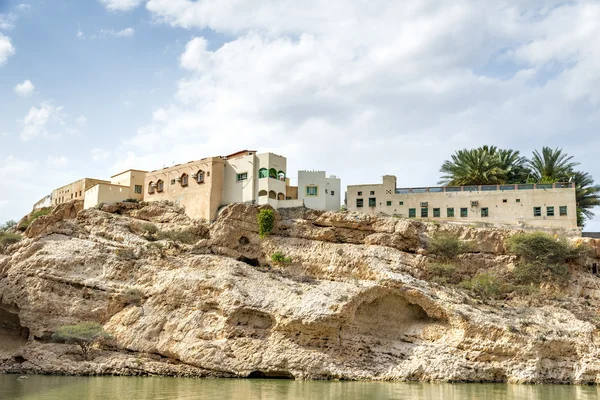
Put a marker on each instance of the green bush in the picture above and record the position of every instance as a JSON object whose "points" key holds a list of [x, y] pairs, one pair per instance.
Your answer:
{"points": [[536, 272], [7, 225], [85, 334], [279, 258], [540, 247], [266, 219], [6, 239], [447, 246], [484, 285], [33, 216], [149, 228], [187, 236], [541, 257]]}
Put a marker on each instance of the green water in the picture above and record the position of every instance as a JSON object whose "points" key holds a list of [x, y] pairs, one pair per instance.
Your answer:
{"points": [[129, 388]]}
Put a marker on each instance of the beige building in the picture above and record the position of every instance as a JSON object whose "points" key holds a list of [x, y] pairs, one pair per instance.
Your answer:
{"points": [[126, 185], [44, 202], [529, 205], [319, 191], [197, 185], [73, 191]]}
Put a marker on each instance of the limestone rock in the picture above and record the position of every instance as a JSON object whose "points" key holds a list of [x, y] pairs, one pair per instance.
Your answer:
{"points": [[347, 304]]}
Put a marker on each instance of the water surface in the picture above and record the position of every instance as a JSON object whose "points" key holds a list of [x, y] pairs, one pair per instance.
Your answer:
{"points": [[129, 388]]}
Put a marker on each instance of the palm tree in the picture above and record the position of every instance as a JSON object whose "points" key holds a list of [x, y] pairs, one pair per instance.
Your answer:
{"points": [[486, 165], [514, 166], [551, 165], [587, 196]]}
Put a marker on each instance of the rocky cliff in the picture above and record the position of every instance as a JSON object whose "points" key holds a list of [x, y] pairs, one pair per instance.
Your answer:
{"points": [[198, 299]]}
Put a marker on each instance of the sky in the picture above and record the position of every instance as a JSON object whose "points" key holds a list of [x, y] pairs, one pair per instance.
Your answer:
{"points": [[359, 88]]}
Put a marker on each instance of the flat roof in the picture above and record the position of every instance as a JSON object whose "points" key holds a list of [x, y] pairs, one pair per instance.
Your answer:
{"points": [[239, 152], [136, 170]]}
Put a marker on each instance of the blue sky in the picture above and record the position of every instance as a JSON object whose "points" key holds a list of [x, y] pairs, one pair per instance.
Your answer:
{"points": [[360, 89]]}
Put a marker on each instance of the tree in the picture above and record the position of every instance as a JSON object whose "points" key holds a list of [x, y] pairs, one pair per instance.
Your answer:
{"points": [[486, 165], [7, 225], [587, 196], [551, 165], [85, 334]]}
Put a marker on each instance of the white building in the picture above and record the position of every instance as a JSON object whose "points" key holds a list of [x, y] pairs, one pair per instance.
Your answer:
{"points": [[318, 191]]}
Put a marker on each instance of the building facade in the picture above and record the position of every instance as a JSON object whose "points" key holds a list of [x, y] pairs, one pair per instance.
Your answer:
{"points": [[534, 205], [123, 186], [44, 202], [196, 185], [73, 191], [318, 191]]}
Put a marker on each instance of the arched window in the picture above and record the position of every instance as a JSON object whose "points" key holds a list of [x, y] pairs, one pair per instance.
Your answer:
{"points": [[281, 196], [184, 180], [281, 176], [151, 186], [200, 177], [272, 194], [273, 173], [263, 173], [160, 185], [262, 193]]}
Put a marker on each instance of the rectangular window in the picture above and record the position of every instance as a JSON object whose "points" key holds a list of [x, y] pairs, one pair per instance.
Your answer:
{"points": [[424, 212], [172, 181], [242, 177], [518, 200], [359, 203], [450, 212], [485, 212], [537, 211], [401, 203], [412, 212], [388, 203], [562, 210], [333, 192], [372, 201], [464, 212], [436, 213], [312, 190], [80, 192], [138, 189], [550, 211], [372, 193], [359, 194], [504, 200]]}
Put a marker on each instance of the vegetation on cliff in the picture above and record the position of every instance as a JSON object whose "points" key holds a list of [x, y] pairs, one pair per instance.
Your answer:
{"points": [[85, 335]]}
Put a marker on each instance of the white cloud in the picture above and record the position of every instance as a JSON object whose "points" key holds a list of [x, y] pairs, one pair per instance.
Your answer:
{"points": [[24, 7], [366, 88], [57, 162], [80, 35], [24, 89], [99, 154], [121, 5], [6, 49], [15, 168], [81, 121], [127, 32], [7, 21], [38, 121]]}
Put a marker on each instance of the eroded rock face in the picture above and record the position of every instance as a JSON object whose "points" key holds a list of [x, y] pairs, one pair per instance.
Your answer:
{"points": [[350, 305]]}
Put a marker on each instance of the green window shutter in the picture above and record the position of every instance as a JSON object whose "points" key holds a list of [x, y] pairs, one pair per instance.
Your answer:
{"points": [[450, 212], [424, 212], [412, 212], [537, 211], [464, 212], [484, 212], [436, 213], [550, 211], [372, 202], [563, 210], [388, 203]]}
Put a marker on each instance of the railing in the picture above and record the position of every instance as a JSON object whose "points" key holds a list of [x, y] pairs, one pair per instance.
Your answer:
{"points": [[486, 188]]}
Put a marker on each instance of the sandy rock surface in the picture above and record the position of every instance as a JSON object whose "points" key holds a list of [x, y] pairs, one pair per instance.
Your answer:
{"points": [[351, 305]]}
